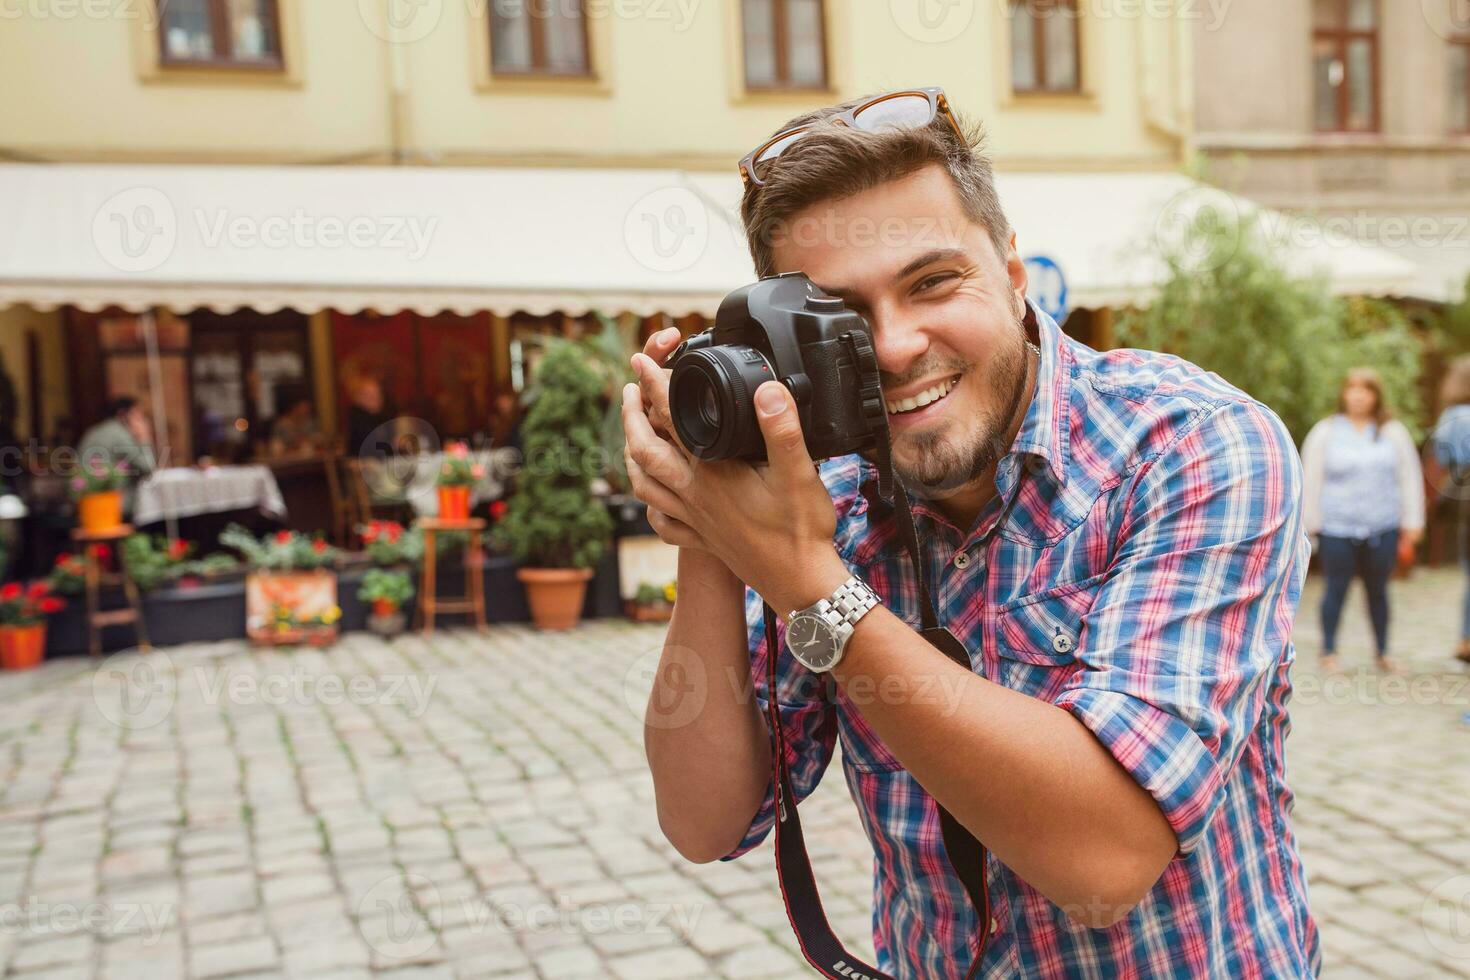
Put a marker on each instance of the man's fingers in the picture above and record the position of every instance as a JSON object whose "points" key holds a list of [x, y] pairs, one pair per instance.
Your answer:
{"points": [[652, 492], [673, 531], [654, 455], [653, 383], [780, 424], [661, 344]]}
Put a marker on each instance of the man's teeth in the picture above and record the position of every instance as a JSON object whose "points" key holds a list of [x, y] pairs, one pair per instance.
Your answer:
{"points": [[923, 398]]}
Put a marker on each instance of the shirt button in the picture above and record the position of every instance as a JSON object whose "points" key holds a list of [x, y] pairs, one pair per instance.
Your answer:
{"points": [[962, 560], [1061, 643], [994, 925]]}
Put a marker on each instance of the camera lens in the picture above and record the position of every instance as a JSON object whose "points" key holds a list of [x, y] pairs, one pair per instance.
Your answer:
{"points": [[711, 397]]}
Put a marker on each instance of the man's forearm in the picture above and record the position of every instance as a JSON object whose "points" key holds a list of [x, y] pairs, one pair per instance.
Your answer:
{"points": [[1025, 777], [707, 745]]}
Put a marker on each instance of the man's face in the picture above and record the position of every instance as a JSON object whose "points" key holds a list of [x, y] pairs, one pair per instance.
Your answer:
{"points": [[946, 314]]}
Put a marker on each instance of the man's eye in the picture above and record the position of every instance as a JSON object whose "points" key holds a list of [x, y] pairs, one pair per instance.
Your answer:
{"points": [[930, 282]]}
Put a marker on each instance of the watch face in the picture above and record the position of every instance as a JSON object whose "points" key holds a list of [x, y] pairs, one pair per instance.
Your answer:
{"points": [[812, 641]]}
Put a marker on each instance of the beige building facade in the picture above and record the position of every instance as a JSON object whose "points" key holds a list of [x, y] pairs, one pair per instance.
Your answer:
{"points": [[1354, 112]]}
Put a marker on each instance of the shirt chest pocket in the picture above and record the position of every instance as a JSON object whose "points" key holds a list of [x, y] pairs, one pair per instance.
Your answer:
{"points": [[1037, 639]]}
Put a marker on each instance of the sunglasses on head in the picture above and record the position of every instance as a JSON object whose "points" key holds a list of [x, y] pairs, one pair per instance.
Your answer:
{"points": [[912, 108]]}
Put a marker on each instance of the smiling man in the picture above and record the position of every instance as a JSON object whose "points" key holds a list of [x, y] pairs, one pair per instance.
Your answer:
{"points": [[1114, 537]]}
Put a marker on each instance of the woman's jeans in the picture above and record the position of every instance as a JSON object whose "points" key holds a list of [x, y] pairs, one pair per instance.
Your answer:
{"points": [[1343, 559]]}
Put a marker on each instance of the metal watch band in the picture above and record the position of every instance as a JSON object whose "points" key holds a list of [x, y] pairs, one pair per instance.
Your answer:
{"points": [[852, 599]]}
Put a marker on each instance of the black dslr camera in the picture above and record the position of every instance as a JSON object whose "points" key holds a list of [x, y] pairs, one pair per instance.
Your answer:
{"points": [[785, 329]]}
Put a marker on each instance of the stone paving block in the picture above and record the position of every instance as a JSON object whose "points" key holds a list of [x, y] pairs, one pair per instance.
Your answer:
{"points": [[240, 956]]}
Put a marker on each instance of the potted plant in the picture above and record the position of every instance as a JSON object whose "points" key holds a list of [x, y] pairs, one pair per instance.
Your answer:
{"points": [[69, 575], [23, 612], [553, 526], [97, 487], [291, 589], [457, 473], [387, 591], [652, 603], [387, 543]]}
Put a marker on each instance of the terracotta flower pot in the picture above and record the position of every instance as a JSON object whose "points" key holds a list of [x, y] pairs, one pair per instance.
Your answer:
{"points": [[100, 511], [555, 595], [384, 607], [454, 503], [22, 647]]}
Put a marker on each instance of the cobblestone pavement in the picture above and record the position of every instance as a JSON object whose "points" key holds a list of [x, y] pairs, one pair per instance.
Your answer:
{"points": [[477, 805]]}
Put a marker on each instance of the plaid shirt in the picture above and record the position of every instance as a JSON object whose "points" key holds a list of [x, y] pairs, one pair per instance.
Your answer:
{"points": [[1146, 582]]}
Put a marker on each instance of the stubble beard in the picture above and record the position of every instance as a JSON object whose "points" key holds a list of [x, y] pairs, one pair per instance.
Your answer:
{"points": [[936, 462]]}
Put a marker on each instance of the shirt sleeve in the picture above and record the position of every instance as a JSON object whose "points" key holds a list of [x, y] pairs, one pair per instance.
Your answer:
{"points": [[1194, 615], [1411, 480], [808, 720]]}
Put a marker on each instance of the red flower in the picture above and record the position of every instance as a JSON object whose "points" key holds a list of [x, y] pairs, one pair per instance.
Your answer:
{"points": [[370, 533], [177, 549], [104, 553], [395, 531], [37, 589], [498, 509], [51, 604], [63, 559], [283, 537], [458, 450], [10, 591], [319, 546]]}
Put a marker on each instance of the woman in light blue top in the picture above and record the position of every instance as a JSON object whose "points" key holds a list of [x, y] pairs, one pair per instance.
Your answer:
{"points": [[1364, 500], [1452, 449]]}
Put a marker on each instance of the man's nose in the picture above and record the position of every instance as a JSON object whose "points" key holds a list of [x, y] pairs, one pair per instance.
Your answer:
{"points": [[897, 345]]}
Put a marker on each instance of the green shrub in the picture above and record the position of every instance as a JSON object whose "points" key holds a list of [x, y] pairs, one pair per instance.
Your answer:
{"points": [[1232, 308], [552, 520]]}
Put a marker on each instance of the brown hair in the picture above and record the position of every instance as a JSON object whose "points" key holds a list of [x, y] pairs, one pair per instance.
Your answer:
{"points": [[832, 162], [1368, 378], [1455, 390]]}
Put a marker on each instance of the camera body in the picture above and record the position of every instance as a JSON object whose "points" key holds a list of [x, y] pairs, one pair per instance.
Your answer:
{"points": [[782, 328]]}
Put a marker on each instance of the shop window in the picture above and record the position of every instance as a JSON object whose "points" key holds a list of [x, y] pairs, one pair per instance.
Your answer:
{"points": [[220, 33], [1345, 65], [785, 44], [1045, 46], [539, 37]]}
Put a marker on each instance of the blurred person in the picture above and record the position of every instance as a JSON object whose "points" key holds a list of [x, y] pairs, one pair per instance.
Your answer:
{"points": [[1364, 500], [124, 436], [1114, 538], [505, 424], [1452, 450], [368, 413], [295, 430]]}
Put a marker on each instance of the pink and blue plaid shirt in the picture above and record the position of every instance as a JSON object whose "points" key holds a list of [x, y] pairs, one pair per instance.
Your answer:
{"points": [[1146, 582]]}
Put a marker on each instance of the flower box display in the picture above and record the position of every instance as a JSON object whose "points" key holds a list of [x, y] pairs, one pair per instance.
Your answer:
{"points": [[652, 603], [291, 590], [23, 612]]}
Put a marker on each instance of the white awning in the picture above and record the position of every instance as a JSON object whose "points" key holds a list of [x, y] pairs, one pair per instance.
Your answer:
{"points": [[511, 239]]}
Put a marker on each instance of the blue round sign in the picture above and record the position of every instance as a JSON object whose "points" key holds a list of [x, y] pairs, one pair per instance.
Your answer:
{"points": [[1047, 286]]}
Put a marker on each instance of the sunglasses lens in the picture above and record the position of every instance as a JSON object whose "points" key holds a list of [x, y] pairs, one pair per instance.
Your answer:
{"points": [[768, 156], [899, 112]]}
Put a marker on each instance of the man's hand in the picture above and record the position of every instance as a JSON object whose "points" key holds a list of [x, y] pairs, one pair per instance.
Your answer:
{"points": [[771, 525]]}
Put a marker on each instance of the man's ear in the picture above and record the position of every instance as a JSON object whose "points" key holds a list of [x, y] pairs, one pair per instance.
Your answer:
{"points": [[1016, 269]]}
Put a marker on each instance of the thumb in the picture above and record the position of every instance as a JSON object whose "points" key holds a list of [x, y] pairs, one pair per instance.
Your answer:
{"points": [[781, 426]]}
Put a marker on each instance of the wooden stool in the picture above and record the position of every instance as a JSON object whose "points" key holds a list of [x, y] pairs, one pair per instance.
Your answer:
{"points": [[474, 600], [92, 543]]}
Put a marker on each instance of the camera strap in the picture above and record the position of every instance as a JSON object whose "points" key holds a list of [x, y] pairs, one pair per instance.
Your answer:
{"points": [[814, 934]]}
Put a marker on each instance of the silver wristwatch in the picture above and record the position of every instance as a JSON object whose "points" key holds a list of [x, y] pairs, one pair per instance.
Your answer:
{"points": [[818, 634]]}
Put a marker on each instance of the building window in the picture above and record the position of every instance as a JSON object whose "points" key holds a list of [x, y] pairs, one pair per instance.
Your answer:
{"points": [[1460, 85], [1045, 48], [537, 37], [785, 44], [220, 33], [1345, 65]]}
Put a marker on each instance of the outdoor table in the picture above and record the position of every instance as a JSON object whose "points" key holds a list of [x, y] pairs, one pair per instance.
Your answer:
{"points": [[414, 479], [188, 492]]}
